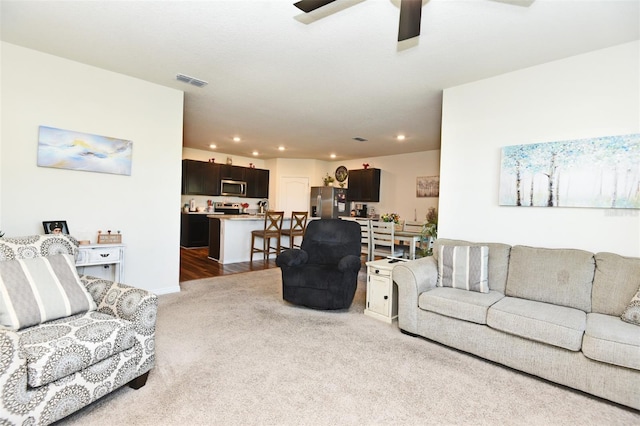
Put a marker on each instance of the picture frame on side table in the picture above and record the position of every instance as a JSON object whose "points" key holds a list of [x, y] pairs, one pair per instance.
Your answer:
{"points": [[55, 227]]}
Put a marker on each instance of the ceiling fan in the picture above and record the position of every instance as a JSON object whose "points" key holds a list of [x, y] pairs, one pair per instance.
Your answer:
{"points": [[410, 13]]}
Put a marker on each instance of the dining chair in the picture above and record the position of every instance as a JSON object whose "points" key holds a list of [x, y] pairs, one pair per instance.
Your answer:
{"points": [[365, 232], [413, 227], [297, 227], [272, 229], [383, 240]]}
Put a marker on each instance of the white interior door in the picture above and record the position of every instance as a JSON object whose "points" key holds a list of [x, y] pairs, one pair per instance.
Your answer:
{"points": [[293, 194]]}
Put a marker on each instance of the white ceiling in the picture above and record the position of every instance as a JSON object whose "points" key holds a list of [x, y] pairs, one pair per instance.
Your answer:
{"points": [[311, 83]]}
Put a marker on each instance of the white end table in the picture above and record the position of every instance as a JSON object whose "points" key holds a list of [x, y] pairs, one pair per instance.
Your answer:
{"points": [[382, 294], [110, 256]]}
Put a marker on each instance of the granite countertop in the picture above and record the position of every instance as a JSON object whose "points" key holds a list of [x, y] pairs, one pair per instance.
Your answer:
{"points": [[237, 216]]}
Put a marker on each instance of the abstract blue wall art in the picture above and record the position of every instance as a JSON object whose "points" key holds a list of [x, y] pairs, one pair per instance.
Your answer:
{"points": [[66, 149], [598, 172]]}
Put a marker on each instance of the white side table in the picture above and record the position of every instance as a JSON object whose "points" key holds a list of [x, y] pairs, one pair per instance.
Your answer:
{"points": [[105, 255], [382, 294]]}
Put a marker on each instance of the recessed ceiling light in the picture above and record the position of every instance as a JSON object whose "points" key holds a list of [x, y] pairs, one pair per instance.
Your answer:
{"points": [[236, 139], [213, 146], [255, 152], [400, 137], [281, 148], [333, 156]]}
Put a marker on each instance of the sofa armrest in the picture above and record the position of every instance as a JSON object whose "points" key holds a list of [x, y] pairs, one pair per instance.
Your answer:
{"points": [[13, 378], [413, 278], [123, 301]]}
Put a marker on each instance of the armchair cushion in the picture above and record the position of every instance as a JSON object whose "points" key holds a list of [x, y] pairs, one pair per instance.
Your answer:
{"points": [[329, 240], [40, 289], [58, 348]]}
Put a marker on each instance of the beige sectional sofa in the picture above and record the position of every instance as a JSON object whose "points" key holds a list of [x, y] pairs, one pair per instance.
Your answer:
{"points": [[552, 313]]}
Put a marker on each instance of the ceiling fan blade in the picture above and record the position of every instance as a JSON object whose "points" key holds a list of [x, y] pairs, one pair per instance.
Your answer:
{"points": [[410, 14], [311, 5]]}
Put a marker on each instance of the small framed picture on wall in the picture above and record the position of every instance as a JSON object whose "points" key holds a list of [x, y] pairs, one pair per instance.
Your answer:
{"points": [[56, 227], [428, 186]]}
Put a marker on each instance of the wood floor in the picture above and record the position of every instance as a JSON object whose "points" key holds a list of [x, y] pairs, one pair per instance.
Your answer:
{"points": [[194, 264]]}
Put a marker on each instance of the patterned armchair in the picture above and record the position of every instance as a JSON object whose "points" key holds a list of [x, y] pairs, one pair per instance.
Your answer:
{"points": [[53, 363]]}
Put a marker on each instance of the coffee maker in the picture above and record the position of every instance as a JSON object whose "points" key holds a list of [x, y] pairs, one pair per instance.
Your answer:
{"points": [[361, 210]]}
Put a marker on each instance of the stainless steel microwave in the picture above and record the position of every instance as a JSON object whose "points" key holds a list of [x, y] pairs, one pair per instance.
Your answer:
{"points": [[235, 188]]}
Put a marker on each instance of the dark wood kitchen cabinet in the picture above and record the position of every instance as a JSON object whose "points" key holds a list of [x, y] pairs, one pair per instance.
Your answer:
{"points": [[200, 178], [257, 183], [228, 171], [364, 185], [203, 178], [194, 230]]}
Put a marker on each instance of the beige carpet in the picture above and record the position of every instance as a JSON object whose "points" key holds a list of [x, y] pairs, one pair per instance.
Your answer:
{"points": [[230, 351]]}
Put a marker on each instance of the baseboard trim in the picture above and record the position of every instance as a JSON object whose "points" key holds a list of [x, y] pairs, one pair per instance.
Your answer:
{"points": [[166, 290]]}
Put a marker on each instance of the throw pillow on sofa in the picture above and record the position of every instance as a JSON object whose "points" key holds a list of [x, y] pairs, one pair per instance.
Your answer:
{"points": [[40, 289], [632, 313], [464, 267]]}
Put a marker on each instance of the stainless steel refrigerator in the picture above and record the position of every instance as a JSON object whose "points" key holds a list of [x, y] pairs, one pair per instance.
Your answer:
{"points": [[328, 202]]}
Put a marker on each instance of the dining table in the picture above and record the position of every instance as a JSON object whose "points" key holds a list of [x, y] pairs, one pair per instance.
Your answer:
{"points": [[411, 238]]}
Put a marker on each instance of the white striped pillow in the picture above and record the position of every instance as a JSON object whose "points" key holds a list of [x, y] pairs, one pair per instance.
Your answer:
{"points": [[464, 267], [33, 291]]}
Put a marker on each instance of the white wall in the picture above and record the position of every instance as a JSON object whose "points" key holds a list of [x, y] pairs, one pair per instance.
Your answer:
{"points": [[40, 89], [590, 95]]}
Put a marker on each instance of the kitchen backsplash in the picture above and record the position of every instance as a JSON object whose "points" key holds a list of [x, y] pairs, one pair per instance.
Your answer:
{"points": [[201, 201]]}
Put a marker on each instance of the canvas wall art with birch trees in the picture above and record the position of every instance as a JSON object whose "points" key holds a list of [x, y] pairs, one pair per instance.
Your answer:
{"points": [[599, 172]]}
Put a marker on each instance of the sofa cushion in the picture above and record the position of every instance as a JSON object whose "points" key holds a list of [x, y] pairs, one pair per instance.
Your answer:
{"points": [[558, 276], [59, 348], [632, 313], [498, 259], [543, 322], [461, 304], [40, 289], [464, 267], [37, 246], [607, 339], [616, 280]]}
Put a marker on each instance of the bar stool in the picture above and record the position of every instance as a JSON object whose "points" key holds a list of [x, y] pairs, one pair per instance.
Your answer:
{"points": [[297, 228], [272, 229]]}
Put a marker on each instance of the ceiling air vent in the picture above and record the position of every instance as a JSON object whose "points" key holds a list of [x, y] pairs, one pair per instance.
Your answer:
{"points": [[359, 139], [191, 80]]}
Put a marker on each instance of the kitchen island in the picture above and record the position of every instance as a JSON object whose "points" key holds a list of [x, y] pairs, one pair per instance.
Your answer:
{"points": [[230, 237]]}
